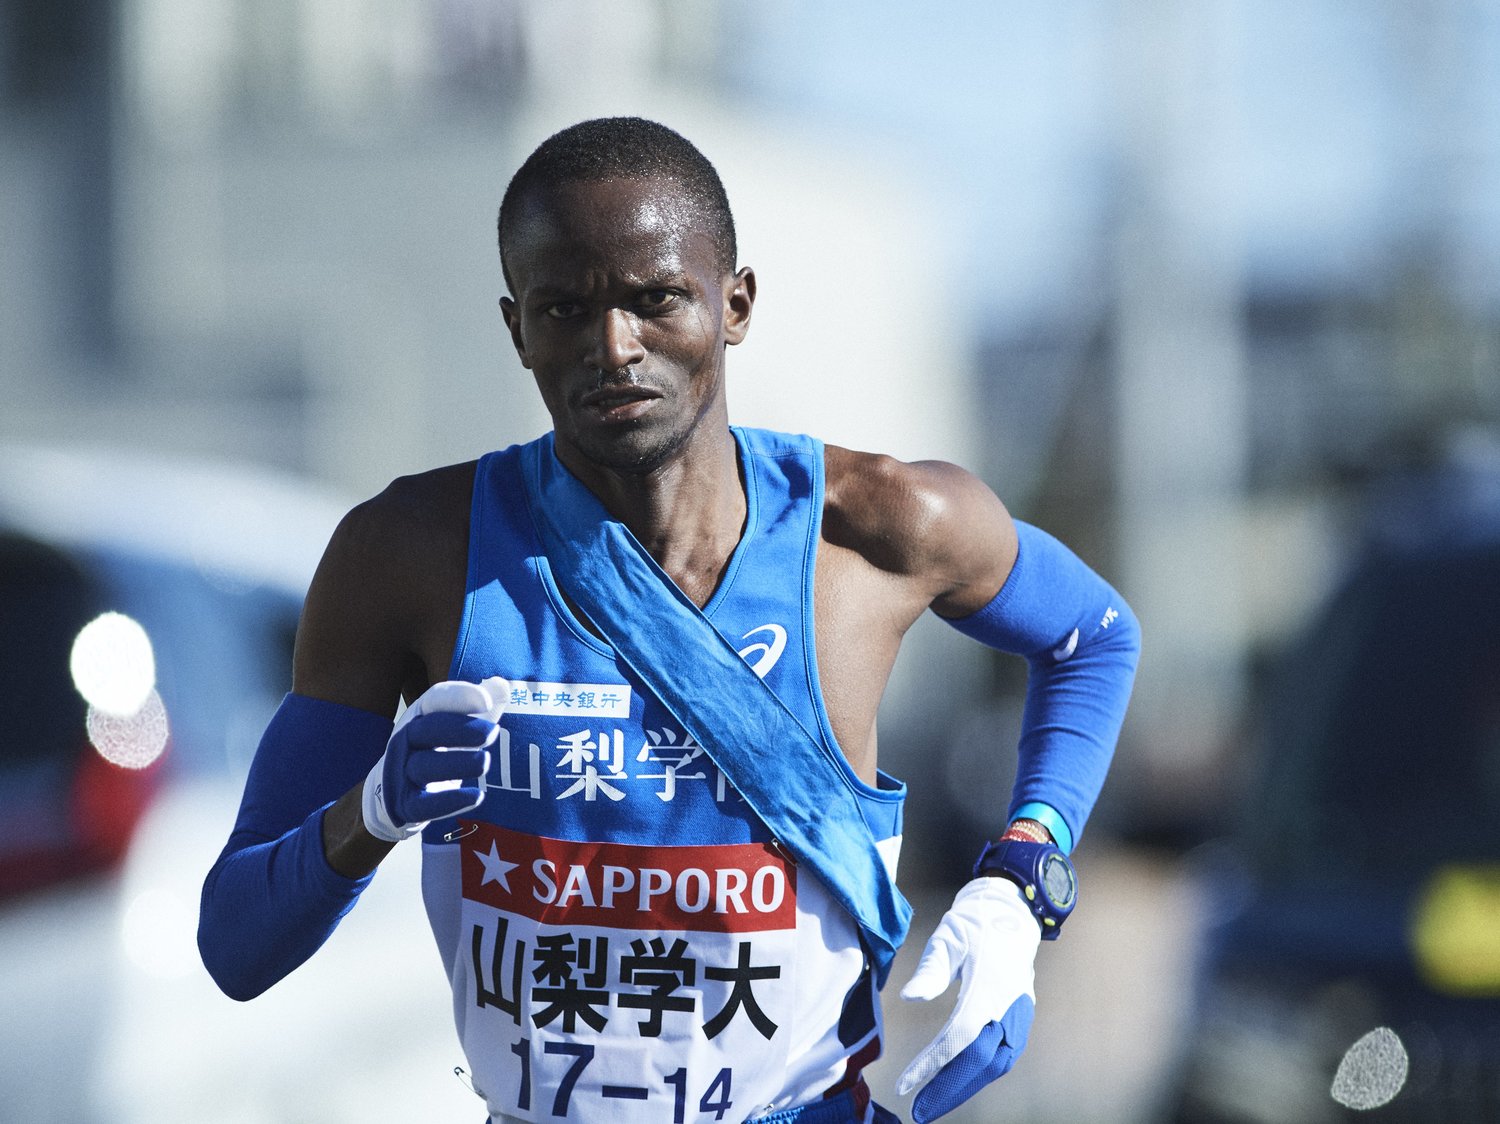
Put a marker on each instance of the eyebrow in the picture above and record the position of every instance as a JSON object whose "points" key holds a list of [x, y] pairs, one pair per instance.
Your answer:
{"points": [[548, 292], [662, 279]]}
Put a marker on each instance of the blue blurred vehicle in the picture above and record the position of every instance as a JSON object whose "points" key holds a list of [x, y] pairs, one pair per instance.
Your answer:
{"points": [[65, 812], [106, 1012], [1362, 890], [182, 550], [222, 657]]}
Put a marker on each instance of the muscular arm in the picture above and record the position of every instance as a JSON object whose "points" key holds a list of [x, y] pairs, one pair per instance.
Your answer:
{"points": [[929, 535], [383, 603], [380, 621], [898, 539], [938, 530], [354, 648]]}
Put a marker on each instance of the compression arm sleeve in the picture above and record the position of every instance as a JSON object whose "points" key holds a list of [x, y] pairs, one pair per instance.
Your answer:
{"points": [[1082, 643], [271, 899]]}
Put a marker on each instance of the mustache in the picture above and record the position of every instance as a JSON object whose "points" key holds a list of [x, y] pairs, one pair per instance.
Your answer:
{"points": [[615, 381]]}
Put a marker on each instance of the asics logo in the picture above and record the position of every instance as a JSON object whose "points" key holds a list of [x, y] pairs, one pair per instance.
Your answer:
{"points": [[766, 652], [1066, 648]]}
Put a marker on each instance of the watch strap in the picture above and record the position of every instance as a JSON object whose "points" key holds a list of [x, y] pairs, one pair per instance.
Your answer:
{"points": [[1028, 863]]}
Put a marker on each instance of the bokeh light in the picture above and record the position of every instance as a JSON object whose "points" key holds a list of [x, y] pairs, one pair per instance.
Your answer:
{"points": [[132, 741], [112, 665], [1372, 1072]]}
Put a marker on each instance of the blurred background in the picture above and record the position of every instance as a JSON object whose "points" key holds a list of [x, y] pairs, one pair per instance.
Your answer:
{"points": [[1210, 289]]}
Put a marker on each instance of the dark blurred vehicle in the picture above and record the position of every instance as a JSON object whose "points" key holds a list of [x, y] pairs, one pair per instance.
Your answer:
{"points": [[179, 549], [65, 812], [167, 546], [222, 648], [106, 1012], [1362, 890]]}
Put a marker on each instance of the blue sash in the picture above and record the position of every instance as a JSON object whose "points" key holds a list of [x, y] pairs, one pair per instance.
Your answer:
{"points": [[785, 773]]}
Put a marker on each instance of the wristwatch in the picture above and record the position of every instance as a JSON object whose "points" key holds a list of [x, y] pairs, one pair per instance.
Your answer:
{"points": [[1047, 879]]}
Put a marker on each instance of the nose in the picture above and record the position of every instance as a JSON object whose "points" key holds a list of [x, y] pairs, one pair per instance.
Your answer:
{"points": [[615, 345]]}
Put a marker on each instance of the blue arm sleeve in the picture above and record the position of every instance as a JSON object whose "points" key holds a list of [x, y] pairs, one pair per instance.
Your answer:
{"points": [[1082, 643], [271, 899]]}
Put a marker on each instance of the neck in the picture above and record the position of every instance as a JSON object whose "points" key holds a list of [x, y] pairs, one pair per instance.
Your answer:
{"points": [[689, 512]]}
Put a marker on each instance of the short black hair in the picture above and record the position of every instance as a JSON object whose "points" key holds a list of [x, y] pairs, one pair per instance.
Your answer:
{"points": [[622, 148]]}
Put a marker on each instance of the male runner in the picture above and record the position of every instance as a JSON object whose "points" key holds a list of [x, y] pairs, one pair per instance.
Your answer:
{"points": [[643, 656]]}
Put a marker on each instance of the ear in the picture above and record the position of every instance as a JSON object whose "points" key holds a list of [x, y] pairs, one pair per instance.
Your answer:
{"points": [[739, 300], [512, 316]]}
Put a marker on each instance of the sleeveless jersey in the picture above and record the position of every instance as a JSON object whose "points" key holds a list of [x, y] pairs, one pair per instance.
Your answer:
{"points": [[623, 938]]}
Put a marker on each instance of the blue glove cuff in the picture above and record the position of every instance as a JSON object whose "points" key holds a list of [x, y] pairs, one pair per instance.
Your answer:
{"points": [[988, 1057]]}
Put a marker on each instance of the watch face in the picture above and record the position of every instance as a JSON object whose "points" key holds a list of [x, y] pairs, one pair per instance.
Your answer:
{"points": [[1058, 880]]}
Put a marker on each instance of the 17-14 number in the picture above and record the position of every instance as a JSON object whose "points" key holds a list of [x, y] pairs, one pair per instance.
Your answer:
{"points": [[715, 1098]]}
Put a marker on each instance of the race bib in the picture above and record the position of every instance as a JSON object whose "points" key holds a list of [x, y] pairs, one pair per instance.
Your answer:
{"points": [[637, 984]]}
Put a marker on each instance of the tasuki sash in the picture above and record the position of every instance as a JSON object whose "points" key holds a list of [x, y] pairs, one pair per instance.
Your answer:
{"points": [[785, 773]]}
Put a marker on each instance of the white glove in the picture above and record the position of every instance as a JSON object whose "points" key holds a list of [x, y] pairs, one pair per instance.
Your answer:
{"points": [[988, 941], [435, 762]]}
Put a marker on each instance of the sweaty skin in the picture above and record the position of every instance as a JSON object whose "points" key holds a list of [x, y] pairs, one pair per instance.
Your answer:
{"points": [[623, 316]]}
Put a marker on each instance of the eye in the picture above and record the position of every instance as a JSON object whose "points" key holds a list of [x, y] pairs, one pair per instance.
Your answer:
{"points": [[563, 310], [657, 300]]}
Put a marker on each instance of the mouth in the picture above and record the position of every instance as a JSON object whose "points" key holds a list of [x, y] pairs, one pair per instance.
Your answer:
{"points": [[619, 403]]}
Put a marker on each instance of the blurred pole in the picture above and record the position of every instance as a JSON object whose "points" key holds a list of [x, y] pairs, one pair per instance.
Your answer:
{"points": [[1444, 362], [1179, 375], [57, 93]]}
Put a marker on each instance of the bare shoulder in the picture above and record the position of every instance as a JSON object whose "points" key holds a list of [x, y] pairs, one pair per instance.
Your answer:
{"points": [[413, 520], [413, 508], [932, 522], [384, 590]]}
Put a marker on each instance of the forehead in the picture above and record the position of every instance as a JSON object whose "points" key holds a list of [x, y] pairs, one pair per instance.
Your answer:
{"points": [[614, 226]]}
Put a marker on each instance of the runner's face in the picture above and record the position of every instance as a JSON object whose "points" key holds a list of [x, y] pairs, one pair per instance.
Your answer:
{"points": [[622, 315]]}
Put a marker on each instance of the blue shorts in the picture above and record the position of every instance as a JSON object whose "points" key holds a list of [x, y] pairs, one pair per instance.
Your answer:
{"points": [[846, 1108]]}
